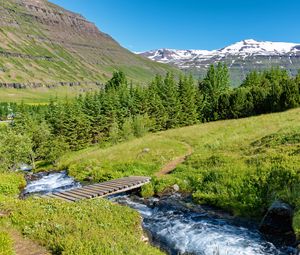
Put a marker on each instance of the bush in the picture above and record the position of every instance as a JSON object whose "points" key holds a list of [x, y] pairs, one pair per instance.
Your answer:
{"points": [[11, 183], [147, 190]]}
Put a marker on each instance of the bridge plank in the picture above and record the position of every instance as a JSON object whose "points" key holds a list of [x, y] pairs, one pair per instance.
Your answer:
{"points": [[84, 192], [61, 196], [98, 191], [111, 185], [79, 197], [105, 187], [76, 192], [101, 189]]}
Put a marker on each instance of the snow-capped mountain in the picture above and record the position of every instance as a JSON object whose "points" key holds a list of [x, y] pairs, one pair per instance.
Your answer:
{"points": [[241, 57]]}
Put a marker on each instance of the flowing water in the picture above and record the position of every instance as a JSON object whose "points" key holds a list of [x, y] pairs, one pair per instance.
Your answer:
{"points": [[177, 226], [179, 229], [43, 183]]}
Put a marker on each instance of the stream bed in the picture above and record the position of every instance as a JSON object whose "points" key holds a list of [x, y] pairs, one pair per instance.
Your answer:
{"points": [[43, 183], [175, 224], [181, 227]]}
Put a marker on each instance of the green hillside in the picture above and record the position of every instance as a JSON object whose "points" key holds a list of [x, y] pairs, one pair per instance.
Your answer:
{"points": [[239, 165], [42, 44]]}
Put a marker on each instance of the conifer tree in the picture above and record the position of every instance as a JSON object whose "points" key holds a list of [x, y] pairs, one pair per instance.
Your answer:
{"points": [[170, 100], [154, 104], [215, 83], [187, 96]]}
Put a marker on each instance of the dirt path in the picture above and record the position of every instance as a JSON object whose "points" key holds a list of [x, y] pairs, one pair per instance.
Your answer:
{"points": [[168, 168], [24, 246]]}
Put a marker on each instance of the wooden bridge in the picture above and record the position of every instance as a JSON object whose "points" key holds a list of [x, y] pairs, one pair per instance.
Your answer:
{"points": [[102, 189]]}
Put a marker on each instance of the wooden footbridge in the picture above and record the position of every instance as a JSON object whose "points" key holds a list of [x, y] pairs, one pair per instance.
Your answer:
{"points": [[102, 189]]}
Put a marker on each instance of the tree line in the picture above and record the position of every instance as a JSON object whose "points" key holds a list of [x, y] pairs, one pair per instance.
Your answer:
{"points": [[121, 111]]}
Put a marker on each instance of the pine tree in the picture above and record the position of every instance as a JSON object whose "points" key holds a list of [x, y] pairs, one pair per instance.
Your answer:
{"points": [[187, 96], [118, 79], [253, 79], [216, 82], [170, 100], [154, 105], [290, 95]]}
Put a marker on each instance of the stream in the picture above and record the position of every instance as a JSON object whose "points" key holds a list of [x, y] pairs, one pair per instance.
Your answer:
{"points": [[176, 225], [43, 183]]}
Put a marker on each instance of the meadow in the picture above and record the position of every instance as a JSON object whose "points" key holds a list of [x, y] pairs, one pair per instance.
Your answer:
{"points": [[241, 166], [84, 228], [42, 95]]}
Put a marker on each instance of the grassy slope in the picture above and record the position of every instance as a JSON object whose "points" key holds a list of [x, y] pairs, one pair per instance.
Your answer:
{"points": [[41, 95], [85, 228], [94, 62], [226, 153], [126, 158], [240, 165]]}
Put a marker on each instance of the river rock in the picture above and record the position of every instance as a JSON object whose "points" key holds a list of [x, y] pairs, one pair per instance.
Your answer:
{"points": [[146, 150], [175, 187], [277, 224]]}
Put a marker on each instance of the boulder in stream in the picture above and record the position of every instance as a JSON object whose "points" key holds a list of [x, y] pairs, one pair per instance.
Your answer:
{"points": [[277, 224]]}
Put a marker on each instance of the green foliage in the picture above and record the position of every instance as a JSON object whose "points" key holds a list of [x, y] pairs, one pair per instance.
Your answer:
{"points": [[121, 111], [147, 190], [15, 149], [88, 227], [6, 244], [116, 81], [213, 85], [188, 100], [141, 125], [127, 129], [114, 133], [11, 183], [168, 92]]}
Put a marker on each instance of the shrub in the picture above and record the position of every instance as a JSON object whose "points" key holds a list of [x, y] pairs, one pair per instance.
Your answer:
{"points": [[11, 183], [147, 190]]}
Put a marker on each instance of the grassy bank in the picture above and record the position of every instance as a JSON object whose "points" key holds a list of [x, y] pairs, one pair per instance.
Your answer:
{"points": [[88, 227], [239, 165], [143, 156]]}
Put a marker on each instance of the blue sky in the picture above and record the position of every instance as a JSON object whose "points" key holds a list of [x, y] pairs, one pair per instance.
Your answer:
{"points": [[190, 24]]}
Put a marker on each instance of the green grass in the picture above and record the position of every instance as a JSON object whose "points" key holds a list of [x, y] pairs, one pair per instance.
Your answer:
{"points": [[239, 165], [124, 159], [84, 228], [11, 183], [88, 227], [41, 95], [6, 244]]}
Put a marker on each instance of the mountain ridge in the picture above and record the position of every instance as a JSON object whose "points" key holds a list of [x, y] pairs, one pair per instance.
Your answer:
{"points": [[241, 57], [41, 42]]}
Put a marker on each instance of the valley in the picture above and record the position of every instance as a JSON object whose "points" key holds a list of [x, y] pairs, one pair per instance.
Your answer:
{"points": [[110, 151]]}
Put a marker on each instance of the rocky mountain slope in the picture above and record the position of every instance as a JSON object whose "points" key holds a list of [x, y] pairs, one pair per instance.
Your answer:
{"points": [[241, 57], [43, 43]]}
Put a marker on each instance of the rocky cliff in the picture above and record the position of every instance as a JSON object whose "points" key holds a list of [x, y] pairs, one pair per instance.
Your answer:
{"points": [[43, 43]]}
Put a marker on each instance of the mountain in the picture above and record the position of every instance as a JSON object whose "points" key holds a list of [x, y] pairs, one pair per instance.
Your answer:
{"points": [[41, 42], [240, 57]]}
